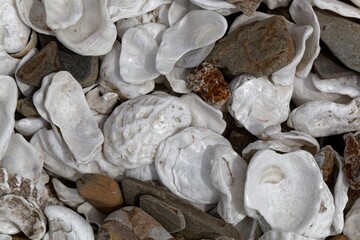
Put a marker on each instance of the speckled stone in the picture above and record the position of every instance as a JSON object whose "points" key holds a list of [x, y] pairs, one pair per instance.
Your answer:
{"points": [[328, 167], [198, 223], [259, 48], [26, 107], [112, 230], [100, 191], [171, 218], [341, 36], [248, 7], [352, 159]]}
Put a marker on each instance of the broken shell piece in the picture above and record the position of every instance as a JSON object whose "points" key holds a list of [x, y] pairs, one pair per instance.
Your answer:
{"points": [[220, 6], [209, 83], [8, 63], [30, 45], [273, 185], [144, 172], [339, 7], [62, 13], [204, 115], [29, 126], [25, 214], [110, 79], [178, 9], [69, 196], [348, 86], [195, 147], [228, 175], [352, 156], [279, 235], [67, 224], [8, 228], [26, 89], [22, 159], [319, 118], [8, 99], [195, 57], [102, 104], [87, 37], [92, 215], [272, 4], [136, 127], [138, 53], [67, 109], [352, 223], [206, 28], [176, 78]]}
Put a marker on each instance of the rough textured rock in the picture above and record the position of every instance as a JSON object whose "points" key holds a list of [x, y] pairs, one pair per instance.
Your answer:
{"points": [[198, 223], [248, 7], [259, 48], [112, 230], [327, 67], [44, 62], [341, 36], [338, 237], [171, 218], [352, 159], [209, 83], [327, 168], [26, 107], [100, 191]]}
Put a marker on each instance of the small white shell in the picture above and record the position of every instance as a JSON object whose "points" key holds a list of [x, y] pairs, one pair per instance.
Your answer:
{"points": [[220, 6], [228, 175], [69, 196], [61, 14], [319, 118], [193, 147], [204, 115], [14, 34], [67, 224], [136, 127], [206, 27], [286, 192], [39, 96], [30, 45], [345, 85], [91, 214], [8, 63], [352, 222], [22, 159], [111, 81], [279, 235], [339, 7], [8, 228], [178, 9], [29, 126], [66, 106], [102, 104], [194, 57], [176, 78], [88, 37], [8, 100]]}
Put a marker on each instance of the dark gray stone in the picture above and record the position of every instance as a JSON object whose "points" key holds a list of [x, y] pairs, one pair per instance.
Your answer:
{"points": [[198, 223], [170, 217], [259, 48], [341, 36]]}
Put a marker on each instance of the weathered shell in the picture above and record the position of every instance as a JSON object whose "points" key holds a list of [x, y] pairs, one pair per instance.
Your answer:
{"points": [[178, 9], [286, 192], [102, 104], [176, 78], [352, 224], [136, 127], [92, 215], [25, 89], [339, 7], [8, 99], [228, 175], [272, 4], [61, 14], [193, 147], [30, 45], [144, 172], [110, 79], [29, 126], [67, 224], [206, 28], [220, 6], [8, 63], [319, 118], [194, 57], [279, 235], [69, 196]]}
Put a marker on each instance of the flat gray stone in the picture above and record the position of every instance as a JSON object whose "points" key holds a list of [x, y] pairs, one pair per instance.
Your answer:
{"points": [[170, 217], [341, 36], [327, 67], [259, 48], [198, 223]]}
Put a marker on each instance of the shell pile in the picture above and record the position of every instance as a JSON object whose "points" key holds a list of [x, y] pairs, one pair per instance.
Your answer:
{"points": [[248, 110]]}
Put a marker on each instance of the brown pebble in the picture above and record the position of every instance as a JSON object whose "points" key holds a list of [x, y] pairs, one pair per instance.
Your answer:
{"points": [[248, 7], [209, 83], [352, 159], [259, 48], [327, 168], [100, 191], [338, 237], [26, 107]]}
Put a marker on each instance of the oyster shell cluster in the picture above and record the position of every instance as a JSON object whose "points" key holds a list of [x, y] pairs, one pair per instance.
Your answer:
{"points": [[180, 90]]}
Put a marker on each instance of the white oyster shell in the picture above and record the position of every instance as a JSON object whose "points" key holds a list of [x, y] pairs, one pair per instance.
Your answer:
{"points": [[101, 104], [61, 14], [30, 45], [286, 192], [14, 34], [176, 78], [8, 100], [194, 57], [88, 37], [69, 196], [178, 9], [204, 115], [352, 222], [8, 63], [25, 89], [206, 28], [29, 126], [193, 147], [220, 6], [67, 224], [228, 175], [348, 86], [339, 7], [320, 118], [144, 172], [272, 4], [136, 127], [110, 79], [66, 106], [92, 215], [279, 235]]}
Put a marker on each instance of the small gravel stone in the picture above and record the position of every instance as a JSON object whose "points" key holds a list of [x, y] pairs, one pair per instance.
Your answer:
{"points": [[259, 48], [341, 36], [26, 107], [100, 191], [171, 218]]}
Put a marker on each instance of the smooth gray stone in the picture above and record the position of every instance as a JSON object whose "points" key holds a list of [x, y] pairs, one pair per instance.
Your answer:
{"points": [[198, 223], [341, 36], [170, 217]]}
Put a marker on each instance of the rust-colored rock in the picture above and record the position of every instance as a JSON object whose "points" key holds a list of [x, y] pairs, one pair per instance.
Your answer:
{"points": [[352, 159], [209, 83], [248, 7], [100, 191], [259, 48]]}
